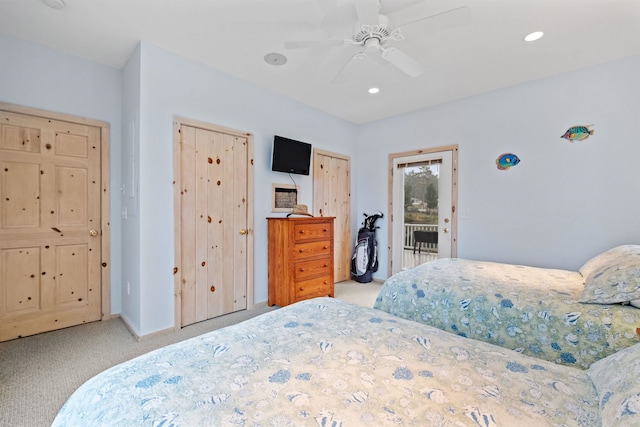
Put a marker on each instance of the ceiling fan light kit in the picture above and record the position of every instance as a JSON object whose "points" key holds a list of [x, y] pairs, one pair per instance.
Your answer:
{"points": [[371, 33]]}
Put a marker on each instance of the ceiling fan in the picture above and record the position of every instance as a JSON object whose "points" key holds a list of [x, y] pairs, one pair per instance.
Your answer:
{"points": [[374, 34]]}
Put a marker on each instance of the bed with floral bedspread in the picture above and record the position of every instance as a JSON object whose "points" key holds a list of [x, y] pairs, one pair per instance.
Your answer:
{"points": [[325, 362], [568, 317]]}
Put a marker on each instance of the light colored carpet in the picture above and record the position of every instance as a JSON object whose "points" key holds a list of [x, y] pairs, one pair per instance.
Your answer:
{"points": [[39, 373], [358, 293]]}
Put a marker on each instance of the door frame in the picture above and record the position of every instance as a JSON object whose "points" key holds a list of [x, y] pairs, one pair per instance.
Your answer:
{"points": [[177, 210], [105, 193], [454, 196]]}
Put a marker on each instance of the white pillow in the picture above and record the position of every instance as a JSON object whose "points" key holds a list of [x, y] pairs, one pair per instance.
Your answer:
{"points": [[613, 276]]}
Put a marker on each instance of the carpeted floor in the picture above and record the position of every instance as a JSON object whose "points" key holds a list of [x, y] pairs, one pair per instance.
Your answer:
{"points": [[358, 293], [39, 373]]}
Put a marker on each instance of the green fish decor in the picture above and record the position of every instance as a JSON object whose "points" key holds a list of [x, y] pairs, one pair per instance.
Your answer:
{"points": [[578, 133]]}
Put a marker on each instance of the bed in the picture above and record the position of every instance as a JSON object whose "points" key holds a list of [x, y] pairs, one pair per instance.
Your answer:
{"points": [[325, 362], [568, 317]]}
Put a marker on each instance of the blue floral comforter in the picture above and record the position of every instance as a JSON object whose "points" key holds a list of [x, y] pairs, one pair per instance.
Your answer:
{"points": [[324, 362], [531, 310]]}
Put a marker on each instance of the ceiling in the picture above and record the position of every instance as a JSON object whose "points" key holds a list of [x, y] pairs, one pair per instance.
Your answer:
{"points": [[478, 47]]}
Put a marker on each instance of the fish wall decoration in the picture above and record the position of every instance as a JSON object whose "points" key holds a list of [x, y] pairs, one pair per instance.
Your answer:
{"points": [[578, 133], [506, 160]]}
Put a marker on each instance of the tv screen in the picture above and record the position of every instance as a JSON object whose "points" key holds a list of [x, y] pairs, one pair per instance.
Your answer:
{"points": [[290, 156]]}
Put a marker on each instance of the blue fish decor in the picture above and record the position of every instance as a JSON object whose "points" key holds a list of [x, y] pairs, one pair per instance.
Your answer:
{"points": [[506, 160], [578, 133]]}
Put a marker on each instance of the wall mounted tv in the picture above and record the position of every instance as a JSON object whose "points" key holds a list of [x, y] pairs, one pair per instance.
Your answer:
{"points": [[290, 156]]}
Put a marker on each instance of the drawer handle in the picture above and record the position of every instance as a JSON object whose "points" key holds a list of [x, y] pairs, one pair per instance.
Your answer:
{"points": [[325, 247], [301, 250], [326, 265], [302, 269], [301, 231], [301, 289]]}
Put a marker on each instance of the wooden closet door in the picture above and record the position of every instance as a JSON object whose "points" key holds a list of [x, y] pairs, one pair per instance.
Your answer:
{"points": [[214, 223], [50, 223], [332, 197]]}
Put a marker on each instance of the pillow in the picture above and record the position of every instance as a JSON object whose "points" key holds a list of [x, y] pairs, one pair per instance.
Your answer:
{"points": [[617, 381], [613, 276]]}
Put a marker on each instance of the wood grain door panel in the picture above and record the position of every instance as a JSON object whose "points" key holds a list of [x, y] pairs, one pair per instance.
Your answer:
{"points": [[50, 181], [214, 174], [332, 197]]}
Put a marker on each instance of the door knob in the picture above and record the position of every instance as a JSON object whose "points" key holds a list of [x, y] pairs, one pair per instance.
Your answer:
{"points": [[93, 232], [243, 231], [446, 230]]}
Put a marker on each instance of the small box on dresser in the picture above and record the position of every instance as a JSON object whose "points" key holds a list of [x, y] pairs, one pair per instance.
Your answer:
{"points": [[300, 259]]}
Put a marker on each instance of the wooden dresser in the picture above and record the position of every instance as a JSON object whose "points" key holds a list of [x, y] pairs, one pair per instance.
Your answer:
{"points": [[300, 259]]}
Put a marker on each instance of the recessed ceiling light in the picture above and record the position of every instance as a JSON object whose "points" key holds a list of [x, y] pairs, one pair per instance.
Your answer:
{"points": [[275, 59], [533, 36], [55, 4], [373, 90]]}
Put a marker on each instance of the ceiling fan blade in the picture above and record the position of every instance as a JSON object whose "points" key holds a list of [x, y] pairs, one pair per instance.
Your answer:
{"points": [[304, 44], [403, 61], [442, 19], [367, 11], [339, 19], [349, 68]]}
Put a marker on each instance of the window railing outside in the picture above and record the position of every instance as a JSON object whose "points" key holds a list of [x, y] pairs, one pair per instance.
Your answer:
{"points": [[408, 236]]}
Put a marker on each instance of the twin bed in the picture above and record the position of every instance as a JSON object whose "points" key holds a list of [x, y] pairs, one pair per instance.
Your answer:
{"points": [[568, 317], [324, 362]]}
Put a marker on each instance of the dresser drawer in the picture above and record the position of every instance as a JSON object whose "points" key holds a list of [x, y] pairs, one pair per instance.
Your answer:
{"points": [[302, 232], [320, 286], [306, 269], [311, 249]]}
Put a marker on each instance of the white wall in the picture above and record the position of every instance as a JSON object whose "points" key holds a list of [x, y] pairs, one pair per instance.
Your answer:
{"points": [[37, 77], [564, 202], [140, 102], [173, 86]]}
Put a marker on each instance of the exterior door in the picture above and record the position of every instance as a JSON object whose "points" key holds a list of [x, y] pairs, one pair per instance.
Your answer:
{"points": [[332, 197], [215, 223], [50, 224], [438, 170]]}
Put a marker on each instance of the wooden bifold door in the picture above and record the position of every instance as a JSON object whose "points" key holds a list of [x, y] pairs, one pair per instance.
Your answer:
{"points": [[50, 224], [332, 197], [214, 236]]}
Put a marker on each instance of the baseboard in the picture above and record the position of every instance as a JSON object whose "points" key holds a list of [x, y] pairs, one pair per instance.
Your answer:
{"points": [[145, 337], [156, 334], [139, 338], [131, 329]]}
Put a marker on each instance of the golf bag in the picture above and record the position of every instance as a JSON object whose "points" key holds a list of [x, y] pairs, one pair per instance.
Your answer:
{"points": [[365, 254]]}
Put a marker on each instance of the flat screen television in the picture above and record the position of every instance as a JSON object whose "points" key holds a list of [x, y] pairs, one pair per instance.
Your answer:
{"points": [[290, 156]]}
